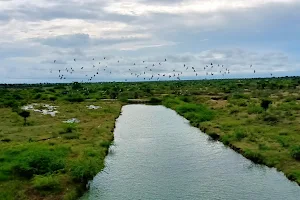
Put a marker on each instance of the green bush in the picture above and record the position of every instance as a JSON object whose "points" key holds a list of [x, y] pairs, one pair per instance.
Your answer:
{"points": [[227, 139], [52, 98], [265, 103], [239, 134], [38, 161], [68, 128], [155, 100], [267, 117], [185, 99], [196, 113], [295, 152], [83, 170], [46, 183], [254, 156], [105, 144], [75, 98], [240, 96], [253, 109]]}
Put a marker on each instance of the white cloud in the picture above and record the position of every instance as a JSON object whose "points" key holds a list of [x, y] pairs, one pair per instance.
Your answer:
{"points": [[233, 32]]}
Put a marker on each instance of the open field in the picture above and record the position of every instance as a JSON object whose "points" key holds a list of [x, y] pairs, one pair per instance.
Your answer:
{"points": [[48, 159]]}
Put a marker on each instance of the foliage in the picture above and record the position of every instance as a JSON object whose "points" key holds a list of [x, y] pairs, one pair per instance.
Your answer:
{"points": [[46, 183], [84, 170], [296, 152], [265, 103], [25, 114]]}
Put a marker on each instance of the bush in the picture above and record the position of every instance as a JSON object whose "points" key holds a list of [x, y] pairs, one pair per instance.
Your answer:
{"points": [[239, 135], [46, 183], [185, 99], [155, 100], [252, 109], [39, 161], [295, 152], [52, 98], [196, 113], [254, 156], [227, 139], [265, 103], [84, 170], [75, 98], [270, 118], [240, 96], [68, 128]]}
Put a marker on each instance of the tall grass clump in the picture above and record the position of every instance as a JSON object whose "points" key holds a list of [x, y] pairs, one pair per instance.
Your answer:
{"points": [[83, 170], [196, 113], [35, 160], [295, 152], [253, 109], [254, 156], [46, 183]]}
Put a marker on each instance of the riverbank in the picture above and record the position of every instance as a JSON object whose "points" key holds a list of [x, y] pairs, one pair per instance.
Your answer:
{"points": [[49, 159], [260, 136]]}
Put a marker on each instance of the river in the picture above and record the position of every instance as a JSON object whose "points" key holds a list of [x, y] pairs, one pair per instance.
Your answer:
{"points": [[157, 155]]}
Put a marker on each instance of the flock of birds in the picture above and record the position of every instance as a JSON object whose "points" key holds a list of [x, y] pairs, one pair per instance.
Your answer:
{"points": [[142, 70]]}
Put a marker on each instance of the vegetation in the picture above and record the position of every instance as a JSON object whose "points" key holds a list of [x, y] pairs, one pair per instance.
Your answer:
{"points": [[49, 159], [25, 114]]}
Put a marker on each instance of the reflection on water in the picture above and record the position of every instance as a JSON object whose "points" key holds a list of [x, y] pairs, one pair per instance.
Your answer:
{"points": [[158, 155]]}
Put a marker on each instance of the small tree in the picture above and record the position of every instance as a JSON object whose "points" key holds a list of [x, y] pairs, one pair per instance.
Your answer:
{"points": [[25, 114], [265, 103]]}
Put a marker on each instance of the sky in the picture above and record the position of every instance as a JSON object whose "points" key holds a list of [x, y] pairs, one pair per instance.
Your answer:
{"points": [[195, 33]]}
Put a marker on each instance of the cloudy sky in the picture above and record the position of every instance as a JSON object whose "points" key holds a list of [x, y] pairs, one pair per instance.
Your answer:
{"points": [[233, 33]]}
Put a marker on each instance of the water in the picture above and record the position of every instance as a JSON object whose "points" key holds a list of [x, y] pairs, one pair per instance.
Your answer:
{"points": [[158, 155]]}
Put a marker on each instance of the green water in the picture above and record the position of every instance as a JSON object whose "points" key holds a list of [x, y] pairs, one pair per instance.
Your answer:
{"points": [[158, 155]]}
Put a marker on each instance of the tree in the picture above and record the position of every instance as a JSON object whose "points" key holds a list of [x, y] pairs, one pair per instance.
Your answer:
{"points": [[265, 103], [25, 114]]}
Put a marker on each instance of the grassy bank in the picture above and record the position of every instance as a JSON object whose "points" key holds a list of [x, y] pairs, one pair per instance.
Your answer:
{"points": [[268, 137], [48, 159]]}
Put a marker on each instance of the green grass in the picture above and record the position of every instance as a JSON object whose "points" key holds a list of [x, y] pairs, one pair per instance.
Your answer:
{"points": [[49, 159]]}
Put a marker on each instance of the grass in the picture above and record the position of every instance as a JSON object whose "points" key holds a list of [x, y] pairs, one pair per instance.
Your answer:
{"points": [[52, 160], [47, 159]]}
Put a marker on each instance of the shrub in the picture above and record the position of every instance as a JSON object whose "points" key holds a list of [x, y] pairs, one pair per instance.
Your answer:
{"points": [[254, 156], [239, 135], [38, 96], [105, 144], [83, 170], [52, 98], [185, 99], [227, 139], [25, 114], [68, 128], [295, 152], [265, 103], [270, 118], [39, 161], [155, 100], [240, 96], [252, 109], [46, 183], [196, 113], [75, 98]]}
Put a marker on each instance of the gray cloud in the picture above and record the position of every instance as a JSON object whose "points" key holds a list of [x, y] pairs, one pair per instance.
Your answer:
{"points": [[263, 34]]}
